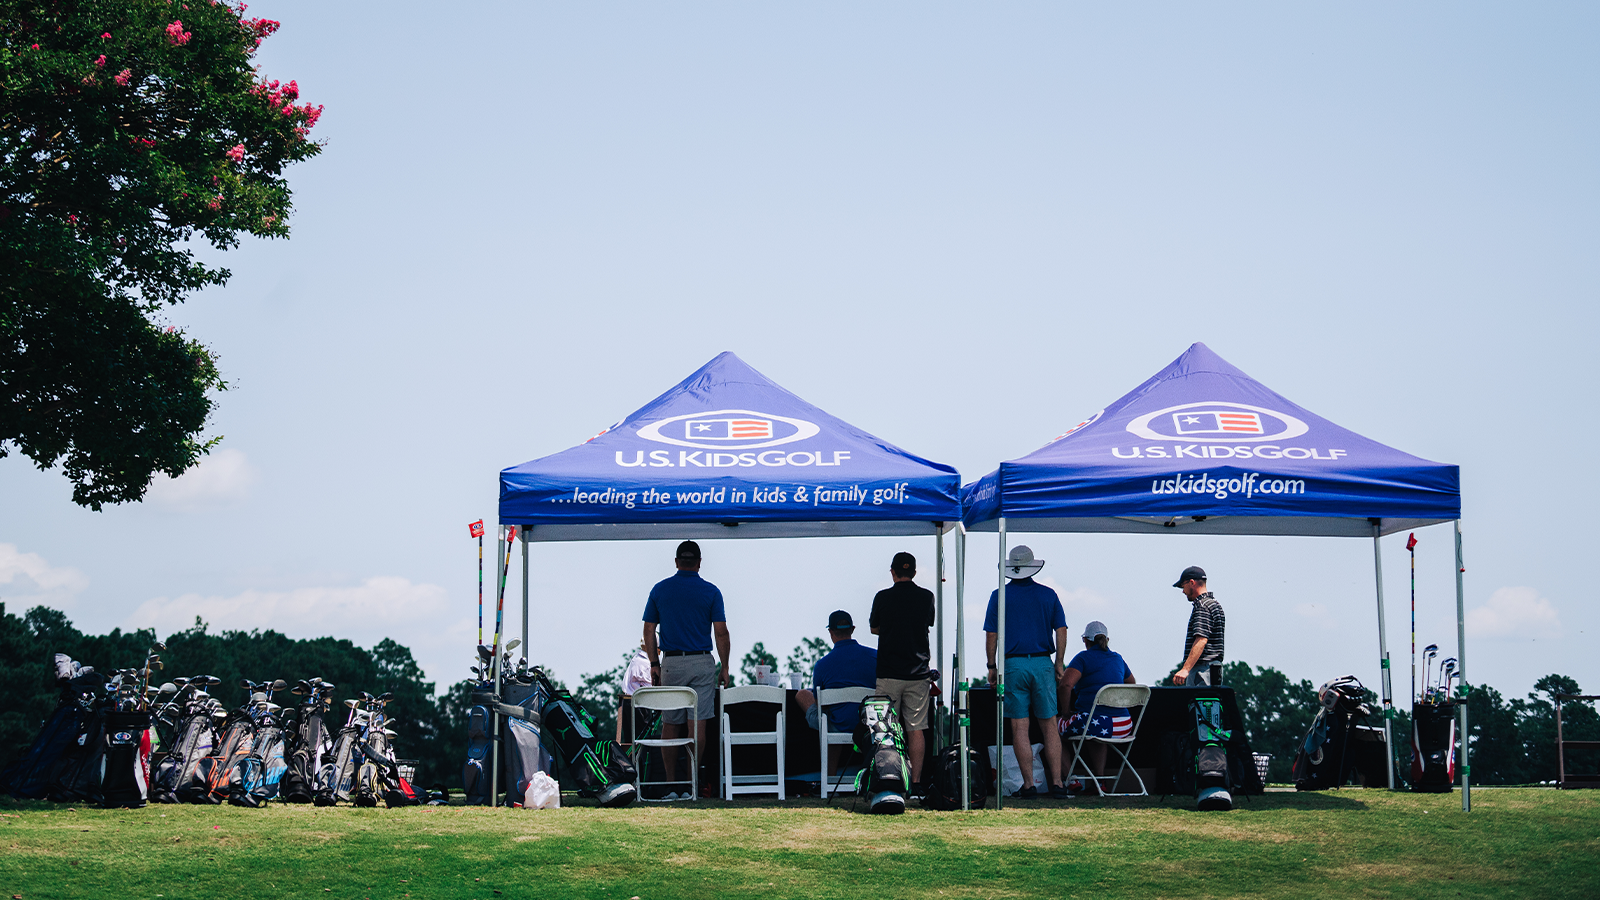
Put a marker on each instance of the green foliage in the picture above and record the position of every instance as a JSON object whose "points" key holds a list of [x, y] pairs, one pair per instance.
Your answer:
{"points": [[803, 658], [1277, 712], [127, 129], [758, 656]]}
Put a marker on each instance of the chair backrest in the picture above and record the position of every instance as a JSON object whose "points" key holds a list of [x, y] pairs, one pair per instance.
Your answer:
{"points": [[662, 698], [831, 696], [753, 693], [1122, 696]]}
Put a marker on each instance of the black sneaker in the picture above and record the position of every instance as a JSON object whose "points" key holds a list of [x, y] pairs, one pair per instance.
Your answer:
{"points": [[1028, 793], [1060, 792]]}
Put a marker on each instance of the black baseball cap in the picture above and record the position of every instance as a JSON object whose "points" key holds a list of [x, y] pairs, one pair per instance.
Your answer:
{"points": [[1194, 572], [688, 550], [904, 564], [840, 621]]}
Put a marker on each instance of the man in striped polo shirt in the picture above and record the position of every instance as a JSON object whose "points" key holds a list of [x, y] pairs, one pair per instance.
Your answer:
{"points": [[1202, 642]]}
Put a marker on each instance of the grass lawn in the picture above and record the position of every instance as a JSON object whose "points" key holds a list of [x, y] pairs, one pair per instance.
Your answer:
{"points": [[1515, 843]]}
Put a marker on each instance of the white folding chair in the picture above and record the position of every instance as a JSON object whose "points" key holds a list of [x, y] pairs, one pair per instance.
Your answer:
{"points": [[765, 783], [1113, 696], [833, 697], [663, 699]]}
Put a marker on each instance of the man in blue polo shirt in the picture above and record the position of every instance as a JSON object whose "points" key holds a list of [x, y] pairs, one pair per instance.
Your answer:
{"points": [[848, 664], [1036, 629], [688, 610]]}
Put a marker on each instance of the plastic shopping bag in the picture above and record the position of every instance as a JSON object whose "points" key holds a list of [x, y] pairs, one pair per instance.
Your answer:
{"points": [[541, 792]]}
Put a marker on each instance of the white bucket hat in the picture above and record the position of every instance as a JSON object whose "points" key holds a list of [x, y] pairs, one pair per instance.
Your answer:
{"points": [[1021, 564]]}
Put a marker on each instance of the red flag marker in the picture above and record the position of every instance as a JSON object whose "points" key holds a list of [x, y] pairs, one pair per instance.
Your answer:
{"points": [[1411, 542], [476, 528]]}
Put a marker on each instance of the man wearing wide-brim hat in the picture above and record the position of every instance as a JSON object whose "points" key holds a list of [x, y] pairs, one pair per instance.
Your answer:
{"points": [[1036, 629]]}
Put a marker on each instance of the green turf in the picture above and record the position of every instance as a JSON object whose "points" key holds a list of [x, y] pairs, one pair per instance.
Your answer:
{"points": [[1516, 842]]}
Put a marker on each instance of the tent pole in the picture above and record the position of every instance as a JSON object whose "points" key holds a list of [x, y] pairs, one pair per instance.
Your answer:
{"points": [[525, 590], [1383, 657], [960, 660], [1461, 669], [1000, 673], [938, 597]]}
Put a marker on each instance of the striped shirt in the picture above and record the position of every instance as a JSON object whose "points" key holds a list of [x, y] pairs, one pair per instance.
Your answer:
{"points": [[1206, 621]]}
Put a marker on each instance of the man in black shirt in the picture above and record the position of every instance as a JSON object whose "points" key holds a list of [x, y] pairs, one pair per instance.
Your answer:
{"points": [[901, 616], [1203, 638]]}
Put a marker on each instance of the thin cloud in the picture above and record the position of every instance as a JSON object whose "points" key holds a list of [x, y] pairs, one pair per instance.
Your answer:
{"points": [[219, 479], [1515, 613], [27, 580]]}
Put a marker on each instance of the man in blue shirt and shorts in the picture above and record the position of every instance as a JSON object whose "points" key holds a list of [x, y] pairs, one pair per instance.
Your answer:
{"points": [[1036, 629], [848, 664], [688, 610]]}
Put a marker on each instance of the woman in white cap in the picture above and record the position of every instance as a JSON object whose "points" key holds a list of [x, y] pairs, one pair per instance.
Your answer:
{"points": [[1096, 666]]}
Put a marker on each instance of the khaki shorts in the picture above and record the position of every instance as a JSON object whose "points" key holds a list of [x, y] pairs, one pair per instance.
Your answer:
{"points": [[910, 698], [698, 672]]}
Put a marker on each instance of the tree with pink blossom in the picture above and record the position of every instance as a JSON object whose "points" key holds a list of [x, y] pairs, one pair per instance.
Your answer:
{"points": [[128, 128]]}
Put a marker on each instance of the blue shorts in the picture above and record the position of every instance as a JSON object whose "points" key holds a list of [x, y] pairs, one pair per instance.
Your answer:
{"points": [[1030, 687]]}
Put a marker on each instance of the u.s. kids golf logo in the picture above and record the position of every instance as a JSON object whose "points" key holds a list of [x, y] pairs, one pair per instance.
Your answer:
{"points": [[1215, 421], [725, 438]]}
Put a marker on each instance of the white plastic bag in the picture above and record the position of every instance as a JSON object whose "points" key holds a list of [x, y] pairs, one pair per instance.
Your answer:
{"points": [[1011, 775], [541, 792]]}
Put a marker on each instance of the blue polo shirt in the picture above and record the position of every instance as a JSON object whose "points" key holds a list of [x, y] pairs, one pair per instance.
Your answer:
{"points": [[1033, 613], [684, 606], [1099, 668], [848, 664]]}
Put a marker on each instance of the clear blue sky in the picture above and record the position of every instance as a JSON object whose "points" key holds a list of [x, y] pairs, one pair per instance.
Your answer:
{"points": [[961, 228]]}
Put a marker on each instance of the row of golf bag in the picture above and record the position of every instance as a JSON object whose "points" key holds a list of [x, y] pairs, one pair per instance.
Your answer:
{"points": [[540, 724], [1328, 756], [94, 749]]}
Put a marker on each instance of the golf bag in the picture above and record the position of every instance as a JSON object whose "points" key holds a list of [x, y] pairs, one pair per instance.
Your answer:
{"points": [[1212, 782], [338, 774], [126, 782], [304, 751], [212, 778], [884, 780], [598, 765], [257, 777], [196, 740], [1321, 762], [943, 780], [78, 775], [1433, 747], [475, 772], [29, 777], [378, 775]]}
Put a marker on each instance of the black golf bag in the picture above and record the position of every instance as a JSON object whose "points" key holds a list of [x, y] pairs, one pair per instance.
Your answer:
{"points": [[475, 772], [126, 782], [1212, 782], [197, 737], [942, 780], [29, 776], [1322, 763], [885, 778], [598, 765], [305, 749], [338, 774], [256, 777], [78, 774], [1433, 747]]}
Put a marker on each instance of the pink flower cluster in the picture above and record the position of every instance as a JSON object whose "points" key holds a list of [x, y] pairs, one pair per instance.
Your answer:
{"points": [[215, 204], [123, 77], [236, 154], [101, 62], [176, 36], [282, 100], [142, 143]]}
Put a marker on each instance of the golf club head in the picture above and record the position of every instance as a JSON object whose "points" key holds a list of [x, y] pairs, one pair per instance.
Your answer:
{"points": [[279, 684], [201, 695], [301, 688], [169, 688], [352, 703], [211, 680], [485, 653], [247, 684], [513, 644], [180, 682], [385, 697]]}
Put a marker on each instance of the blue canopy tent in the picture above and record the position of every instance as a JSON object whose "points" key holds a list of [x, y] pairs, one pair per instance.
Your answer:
{"points": [[728, 453], [1202, 448]]}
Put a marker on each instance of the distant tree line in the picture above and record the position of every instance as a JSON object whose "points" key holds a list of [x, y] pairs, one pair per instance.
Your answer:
{"points": [[1513, 741]]}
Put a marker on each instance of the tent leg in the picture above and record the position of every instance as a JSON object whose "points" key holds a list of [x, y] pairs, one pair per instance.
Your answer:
{"points": [[1000, 672], [1461, 669], [1383, 659], [938, 603], [960, 660], [525, 591]]}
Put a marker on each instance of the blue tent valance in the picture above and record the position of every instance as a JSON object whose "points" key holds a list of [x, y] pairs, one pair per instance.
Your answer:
{"points": [[1202, 447], [728, 453]]}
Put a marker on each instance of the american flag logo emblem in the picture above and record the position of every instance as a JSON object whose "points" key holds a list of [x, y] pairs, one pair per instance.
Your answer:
{"points": [[739, 429], [1217, 421]]}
